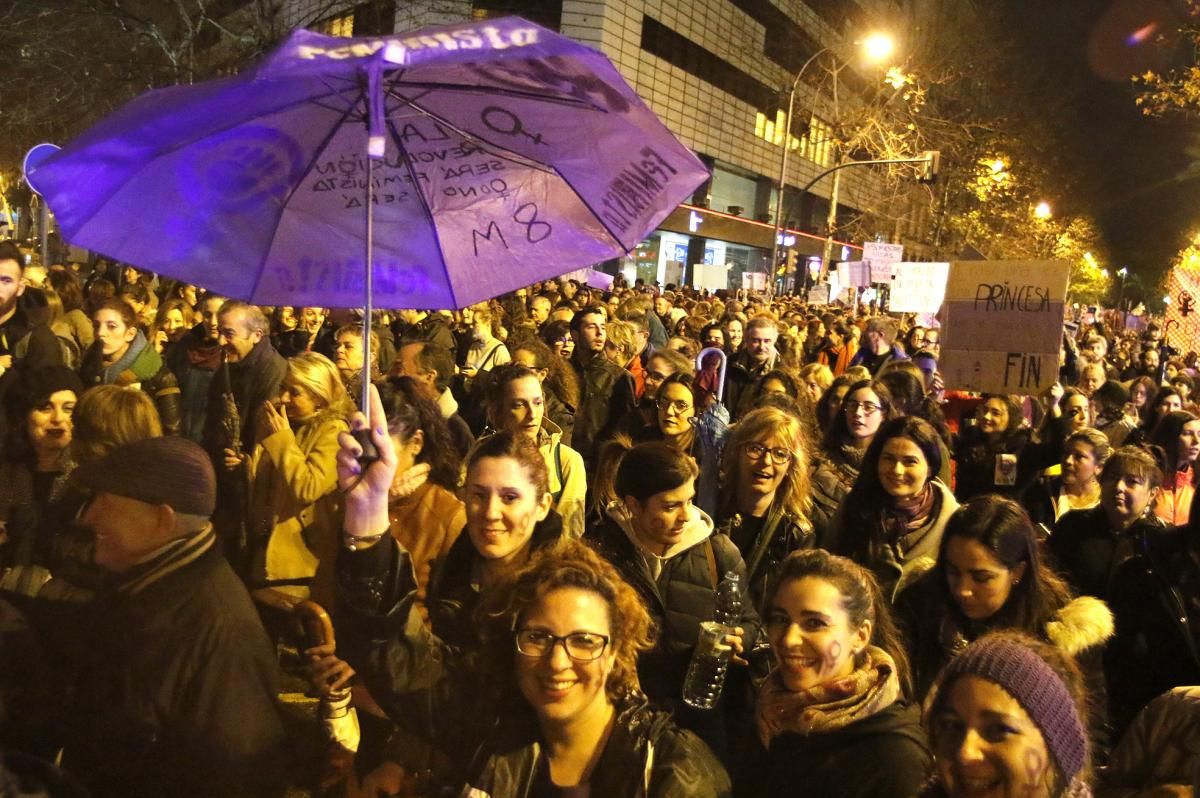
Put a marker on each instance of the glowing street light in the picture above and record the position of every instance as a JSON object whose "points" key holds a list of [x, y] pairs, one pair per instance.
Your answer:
{"points": [[1042, 211], [878, 47]]}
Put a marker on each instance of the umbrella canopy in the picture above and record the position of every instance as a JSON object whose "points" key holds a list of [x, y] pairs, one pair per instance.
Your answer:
{"points": [[464, 161]]}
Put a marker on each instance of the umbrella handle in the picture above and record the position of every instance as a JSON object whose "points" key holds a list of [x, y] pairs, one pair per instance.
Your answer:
{"points": [[721, 374]]}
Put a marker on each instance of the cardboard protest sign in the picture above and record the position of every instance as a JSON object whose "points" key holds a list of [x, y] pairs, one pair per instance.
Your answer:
{"points": [[819, 294], [880, 258], [854, 273], [918, 287], [1002, 325]]}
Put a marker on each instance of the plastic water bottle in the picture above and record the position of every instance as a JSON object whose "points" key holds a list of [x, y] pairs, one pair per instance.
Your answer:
{"points": [[706, 672], [729, 601]]}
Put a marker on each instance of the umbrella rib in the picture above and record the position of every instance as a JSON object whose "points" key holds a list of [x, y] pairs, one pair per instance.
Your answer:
{"points": [[592, 210], [437, 239], [317, 151], [485, 145]]}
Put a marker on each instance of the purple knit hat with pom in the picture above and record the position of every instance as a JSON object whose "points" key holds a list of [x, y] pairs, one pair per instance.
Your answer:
{"points": [[1036, 687]]}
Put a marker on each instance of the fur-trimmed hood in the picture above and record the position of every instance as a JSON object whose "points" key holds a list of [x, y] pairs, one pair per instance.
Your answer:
{"points": [[1082, 623]]}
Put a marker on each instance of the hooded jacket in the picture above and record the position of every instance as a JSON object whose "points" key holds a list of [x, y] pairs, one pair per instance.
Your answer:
{"points": [[568, 479], [646, 756], [1161, 749], [679, 588]]}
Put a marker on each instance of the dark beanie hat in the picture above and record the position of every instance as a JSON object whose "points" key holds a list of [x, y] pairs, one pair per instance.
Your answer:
{"points": [[34, 386], [1002, 659], [170, 470]]}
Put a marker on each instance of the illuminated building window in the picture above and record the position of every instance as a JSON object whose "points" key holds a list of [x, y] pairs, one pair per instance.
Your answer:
{"points": [[337, 26], [816, 144]]}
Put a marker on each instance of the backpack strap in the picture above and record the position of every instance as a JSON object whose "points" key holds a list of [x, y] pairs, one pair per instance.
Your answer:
{"points": [[558, 472], [712, 563]]}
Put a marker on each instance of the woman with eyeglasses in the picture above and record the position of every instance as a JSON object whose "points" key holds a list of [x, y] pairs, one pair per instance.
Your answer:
{"points": [[766, 507], [867, 405], [679, 420], [896, 511], [566, 633], [557, 335], [836, 716]]}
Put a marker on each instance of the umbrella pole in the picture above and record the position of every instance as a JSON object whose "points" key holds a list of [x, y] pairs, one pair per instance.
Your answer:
{"points": [[368, 290]]}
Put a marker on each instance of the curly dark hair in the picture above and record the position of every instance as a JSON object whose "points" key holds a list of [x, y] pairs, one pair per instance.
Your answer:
{"points": [[407, 411], [566, 564]]}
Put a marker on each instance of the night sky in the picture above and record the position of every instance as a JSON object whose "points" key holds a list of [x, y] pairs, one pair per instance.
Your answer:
{"points": [[1132, 173]]}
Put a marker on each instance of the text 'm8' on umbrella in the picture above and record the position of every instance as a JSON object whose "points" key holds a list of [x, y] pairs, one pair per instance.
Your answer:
{"points": [[464, 161]]}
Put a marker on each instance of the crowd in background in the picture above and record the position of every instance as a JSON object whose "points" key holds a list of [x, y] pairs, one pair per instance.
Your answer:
{"points": [[944, 593]]}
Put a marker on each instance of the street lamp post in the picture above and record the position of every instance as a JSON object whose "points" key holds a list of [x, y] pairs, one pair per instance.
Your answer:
{"points": [[1123, 272], [783, 158], [878, 46]]}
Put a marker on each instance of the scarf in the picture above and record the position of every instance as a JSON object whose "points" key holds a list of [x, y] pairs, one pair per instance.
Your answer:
{"points": [[829, 706], [114, 373], [166, 560], [902, 516], [405, 484]]}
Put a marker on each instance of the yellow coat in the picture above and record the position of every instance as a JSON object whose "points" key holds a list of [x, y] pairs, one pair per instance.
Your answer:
{"points": [[295, 508]]}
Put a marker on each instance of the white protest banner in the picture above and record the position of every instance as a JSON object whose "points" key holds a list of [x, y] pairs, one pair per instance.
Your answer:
{"points": [[918, 287], [1002, 325], [880, 257], [819, 294], [854, 273]]}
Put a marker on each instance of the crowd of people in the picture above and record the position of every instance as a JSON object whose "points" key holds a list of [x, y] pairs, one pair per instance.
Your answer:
{"points": [[942, 593]]}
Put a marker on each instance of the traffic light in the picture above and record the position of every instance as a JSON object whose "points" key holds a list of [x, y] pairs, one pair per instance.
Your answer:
{"points": [[791, 261], [930, 165]]}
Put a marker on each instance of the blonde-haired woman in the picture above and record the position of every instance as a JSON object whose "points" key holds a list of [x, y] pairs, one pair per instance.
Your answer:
{"points": [[293, 506], [765, 501]]}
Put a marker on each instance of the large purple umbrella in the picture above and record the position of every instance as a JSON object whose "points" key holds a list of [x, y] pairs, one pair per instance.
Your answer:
{"points": [[497, 154]]}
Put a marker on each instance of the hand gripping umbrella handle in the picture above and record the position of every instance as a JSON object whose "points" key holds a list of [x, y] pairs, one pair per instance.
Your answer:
{"points": [[721, 375]]}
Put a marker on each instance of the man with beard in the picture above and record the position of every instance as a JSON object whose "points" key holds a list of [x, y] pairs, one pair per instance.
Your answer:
{"points": [[756, 358]]}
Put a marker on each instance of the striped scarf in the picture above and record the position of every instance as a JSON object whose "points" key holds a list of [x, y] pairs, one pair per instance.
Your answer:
{"points": [[165, 560]]}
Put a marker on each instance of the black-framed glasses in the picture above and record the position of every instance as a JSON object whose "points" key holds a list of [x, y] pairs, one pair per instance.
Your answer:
{"points": [[678, 405], [870, 408], [779, 455], [580, 646]]}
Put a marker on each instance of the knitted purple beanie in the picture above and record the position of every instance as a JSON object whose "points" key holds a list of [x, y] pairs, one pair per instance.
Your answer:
{"points": [[1036, 687]]}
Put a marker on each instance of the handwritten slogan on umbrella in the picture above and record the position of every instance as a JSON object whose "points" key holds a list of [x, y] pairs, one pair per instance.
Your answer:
{"points": [[1002, 325], [467, 159]]}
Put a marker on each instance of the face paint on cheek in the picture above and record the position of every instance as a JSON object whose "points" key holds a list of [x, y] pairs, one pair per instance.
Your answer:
{"points": [[831, 655]]}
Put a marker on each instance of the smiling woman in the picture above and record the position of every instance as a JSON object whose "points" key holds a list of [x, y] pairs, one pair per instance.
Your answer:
{"points": [[897, 509], [566, 632], [1007, 718], [840, 695]]}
